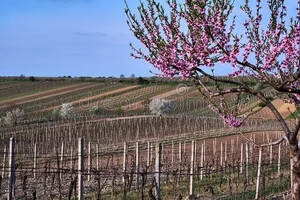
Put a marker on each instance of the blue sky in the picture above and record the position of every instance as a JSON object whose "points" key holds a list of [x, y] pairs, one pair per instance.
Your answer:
{"points": [[68, 37]]}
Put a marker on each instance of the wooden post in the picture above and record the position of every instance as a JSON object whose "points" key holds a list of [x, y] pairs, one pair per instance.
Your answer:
{"points": [[232, 147], [71, 163], [151, 152], [241, 161], [202, 161], [137, 160], [148, 154], [124, 162], [172, 155], [4, 163], [204, 151], [247, 162], [158, 171], [11, 181], [221, 154], [291, 172], [214, 146], [192, 168], [179, 156], [225, 152], [271, 154], [258, 174], [162, 151], [61, 160], [80, 168], [89, 162], [279, 158], [251, 152], [97, 156], [34, 161]]}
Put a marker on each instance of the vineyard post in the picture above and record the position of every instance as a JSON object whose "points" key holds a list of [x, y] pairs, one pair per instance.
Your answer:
{"points": [[89, 161], [11, 183], [3, 164], [71, 164], [195, 154], [232, 147], [214, 146], [247, 162], [192, 169], [148, 154], [151, 153], [202, 161], [251, 152], [221, 155], [279, 157], [225, 153], [137, 165], [241, 161], [271, 154], [204, 151], [291, 172], [172, 154], [80, 168], [124, 162], [180, 158], [97, 156], [162, 151], [61, 159], [34, 161], [258, 174], [158, 171]]}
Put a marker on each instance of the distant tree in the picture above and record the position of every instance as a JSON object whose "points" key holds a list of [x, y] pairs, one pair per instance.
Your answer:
{"points": [[22, 77], [122, 76], [197, 36], [160, 106], [32, 78], [66, 110], [142, 81], [13, 116], [132, 76]]}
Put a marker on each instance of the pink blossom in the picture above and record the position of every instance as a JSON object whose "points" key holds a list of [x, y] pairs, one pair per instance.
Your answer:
{"points": [[232, 121]]}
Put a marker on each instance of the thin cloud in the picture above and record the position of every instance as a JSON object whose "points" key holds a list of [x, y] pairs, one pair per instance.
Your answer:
{"points": [[88, 34], [71, 1]]}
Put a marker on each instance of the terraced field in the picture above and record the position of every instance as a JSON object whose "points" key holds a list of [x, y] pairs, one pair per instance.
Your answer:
{"points": [[10, 90], [47, 144]]}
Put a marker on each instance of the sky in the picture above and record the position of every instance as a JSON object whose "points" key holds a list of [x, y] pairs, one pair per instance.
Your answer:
{"points": [[68, 38]]}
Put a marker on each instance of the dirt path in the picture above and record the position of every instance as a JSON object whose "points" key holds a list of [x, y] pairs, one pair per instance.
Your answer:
{"points": [[93, 97], [140, 104], [46, 94], [285, 109]]}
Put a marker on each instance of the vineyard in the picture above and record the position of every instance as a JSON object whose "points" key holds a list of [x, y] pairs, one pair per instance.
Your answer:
{"points": [[126, 152]]}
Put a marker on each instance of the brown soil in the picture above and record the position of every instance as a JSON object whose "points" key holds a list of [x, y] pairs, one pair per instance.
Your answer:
{"points": [[141, 104], [93, 97], [285, 109], [45, 94]]}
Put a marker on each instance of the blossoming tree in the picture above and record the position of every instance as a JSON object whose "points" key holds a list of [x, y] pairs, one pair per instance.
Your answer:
{"points": [[188, 38]]}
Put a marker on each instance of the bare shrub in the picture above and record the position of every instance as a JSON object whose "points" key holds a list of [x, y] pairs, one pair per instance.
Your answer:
{"points": [[13, 117]]}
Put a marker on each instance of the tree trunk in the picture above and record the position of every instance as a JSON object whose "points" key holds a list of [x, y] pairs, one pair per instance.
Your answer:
{"points": [[295, 162]]}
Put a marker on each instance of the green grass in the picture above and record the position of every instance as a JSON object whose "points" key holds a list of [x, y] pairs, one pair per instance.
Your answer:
{"points": [[294, 115]]}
